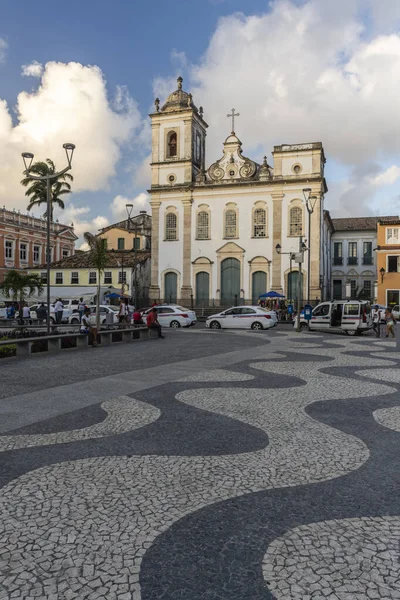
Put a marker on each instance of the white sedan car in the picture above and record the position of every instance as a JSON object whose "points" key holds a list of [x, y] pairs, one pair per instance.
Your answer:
{"points": [[104, 311], [172, 315], [243, 317]]}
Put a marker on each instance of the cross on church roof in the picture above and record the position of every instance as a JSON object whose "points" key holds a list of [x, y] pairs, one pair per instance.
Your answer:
{"points": [[232, 116]]}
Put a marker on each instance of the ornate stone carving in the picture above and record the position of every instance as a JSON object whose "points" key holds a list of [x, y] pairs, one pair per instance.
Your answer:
{"points": [[233, 166]]}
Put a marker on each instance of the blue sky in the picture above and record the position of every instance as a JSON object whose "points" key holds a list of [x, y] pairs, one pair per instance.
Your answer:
{"points": [[296, 71]]}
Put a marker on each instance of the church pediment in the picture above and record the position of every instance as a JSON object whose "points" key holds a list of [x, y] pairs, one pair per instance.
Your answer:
{"points": [[233, 166], [230, 248]]}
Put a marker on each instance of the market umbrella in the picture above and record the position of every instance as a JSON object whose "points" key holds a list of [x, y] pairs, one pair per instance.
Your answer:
{"points": [[112, 295], [271, 294]]}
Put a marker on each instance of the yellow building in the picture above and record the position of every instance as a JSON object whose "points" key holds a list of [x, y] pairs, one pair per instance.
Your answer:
{"points": [[75, 274], [388, 261], [133, 233]]}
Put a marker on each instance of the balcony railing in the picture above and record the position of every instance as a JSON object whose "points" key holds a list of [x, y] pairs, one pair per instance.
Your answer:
{"points": [[368, 260], [352, 260], [337, 260]]}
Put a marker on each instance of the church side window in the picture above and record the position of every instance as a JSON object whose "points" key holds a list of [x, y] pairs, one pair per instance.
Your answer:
{"points": [[259, 223], [230, 224], [172, 144], [171, 226], [296, 221], [203, 225]]}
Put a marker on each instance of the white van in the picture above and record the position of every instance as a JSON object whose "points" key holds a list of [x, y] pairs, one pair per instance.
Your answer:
{"points": [[351, 316]]}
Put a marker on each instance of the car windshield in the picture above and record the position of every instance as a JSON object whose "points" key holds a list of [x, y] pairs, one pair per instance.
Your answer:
{"points": [[180, 308], [114, 308]]}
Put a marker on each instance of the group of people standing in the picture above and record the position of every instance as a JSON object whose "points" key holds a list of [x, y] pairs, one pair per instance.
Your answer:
{"points": [[388, 318], [128, 314]]}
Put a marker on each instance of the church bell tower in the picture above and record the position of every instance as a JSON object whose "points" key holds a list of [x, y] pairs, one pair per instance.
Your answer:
{"points": [[178, 140]]}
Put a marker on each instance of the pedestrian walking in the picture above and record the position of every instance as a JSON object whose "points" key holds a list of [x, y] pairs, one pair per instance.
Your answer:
{"points": [[390, 323], [81, 308], [87, 328], [376, 321], [58, 309], [123, 312], [41, 313], [26, 314], [152, 322]]}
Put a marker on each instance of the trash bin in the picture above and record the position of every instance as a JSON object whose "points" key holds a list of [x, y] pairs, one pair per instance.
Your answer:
{"points": [[109, 319]]}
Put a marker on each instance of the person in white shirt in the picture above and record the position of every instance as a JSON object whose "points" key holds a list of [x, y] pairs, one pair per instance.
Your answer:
{"points": [[86, 327], [123, 312], [58, 309], [26, 313]]}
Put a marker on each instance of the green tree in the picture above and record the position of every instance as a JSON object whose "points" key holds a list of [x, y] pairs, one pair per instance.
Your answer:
{"points": [[37, 190], [99, 258], [18, 286]]}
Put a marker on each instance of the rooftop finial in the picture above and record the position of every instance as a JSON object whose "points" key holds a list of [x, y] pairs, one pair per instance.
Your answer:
{"points": [[180, 80]]}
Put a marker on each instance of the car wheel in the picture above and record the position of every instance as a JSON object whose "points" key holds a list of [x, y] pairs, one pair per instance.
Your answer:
{"points": [[303, 326], [52, 321], [256, 326], [215, 325], [175, 324], [351, 332], [75, 321]]}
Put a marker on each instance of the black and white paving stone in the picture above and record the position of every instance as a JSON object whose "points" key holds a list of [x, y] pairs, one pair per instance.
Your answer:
{"points": [[270, 470]]}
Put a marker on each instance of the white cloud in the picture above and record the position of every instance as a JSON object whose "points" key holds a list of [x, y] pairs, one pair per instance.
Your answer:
{"points": [[69, 105], [388, 177], [118, 205], [179, 58], [304, 72], [79, 216], [34, 69], [3, 50]]}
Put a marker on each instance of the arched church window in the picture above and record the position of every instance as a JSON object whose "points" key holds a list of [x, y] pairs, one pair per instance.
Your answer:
{"points": [[171, 226], [296, 221], [172, 144], [230, 223], [203, 225], [259, 223]]}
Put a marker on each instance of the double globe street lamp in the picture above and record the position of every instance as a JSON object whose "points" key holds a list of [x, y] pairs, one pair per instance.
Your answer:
{"points": [[310, 202], [49, 179]]}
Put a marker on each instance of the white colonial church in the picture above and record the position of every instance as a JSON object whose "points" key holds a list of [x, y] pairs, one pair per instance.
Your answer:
{"points": [[215, 228]]}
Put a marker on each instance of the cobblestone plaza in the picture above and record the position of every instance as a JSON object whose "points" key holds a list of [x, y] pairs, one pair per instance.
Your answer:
{"points": [[210, 465]]}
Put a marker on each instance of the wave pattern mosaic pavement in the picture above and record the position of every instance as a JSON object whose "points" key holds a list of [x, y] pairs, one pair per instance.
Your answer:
{"points": [[81, 528]]}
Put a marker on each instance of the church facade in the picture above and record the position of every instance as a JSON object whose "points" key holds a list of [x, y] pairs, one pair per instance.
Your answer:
{"points": [[215, 229]]}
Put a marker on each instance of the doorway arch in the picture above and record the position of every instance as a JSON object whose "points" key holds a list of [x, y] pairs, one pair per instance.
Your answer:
{"points": [[230, 280], [258, 285], [202, 287], [170, 286]]}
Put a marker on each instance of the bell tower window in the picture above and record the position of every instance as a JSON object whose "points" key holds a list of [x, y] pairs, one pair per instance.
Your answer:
{"points": [[172, 145]]}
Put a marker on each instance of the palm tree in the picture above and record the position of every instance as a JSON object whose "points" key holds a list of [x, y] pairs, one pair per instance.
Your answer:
{"points": [[98, 248], [37, 190], [17, 285]]}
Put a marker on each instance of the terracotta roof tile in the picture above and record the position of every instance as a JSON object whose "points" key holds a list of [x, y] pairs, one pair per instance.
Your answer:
{"points": [[83, 260], [360, 223]]}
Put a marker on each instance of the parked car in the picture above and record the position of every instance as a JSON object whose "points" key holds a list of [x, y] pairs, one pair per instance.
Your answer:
{"points": [[396, 312], [173, 315], [3, 310], [351, 316], [243, 317], [105, 309]]}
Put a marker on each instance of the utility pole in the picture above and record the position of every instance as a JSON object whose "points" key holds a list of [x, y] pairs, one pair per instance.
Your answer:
{"points": [[299, 260]]}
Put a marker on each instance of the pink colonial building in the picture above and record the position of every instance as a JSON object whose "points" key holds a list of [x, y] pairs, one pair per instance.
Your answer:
{"points": [[23, 241]]}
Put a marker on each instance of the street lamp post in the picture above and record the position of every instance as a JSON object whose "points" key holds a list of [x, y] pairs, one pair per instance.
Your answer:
{"points": [[310, 205], [291, 257], [49, 179], [129, 209]]}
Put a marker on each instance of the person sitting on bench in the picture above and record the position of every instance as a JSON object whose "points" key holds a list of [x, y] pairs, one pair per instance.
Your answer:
{"points": [[152, 322], [86, 327]]}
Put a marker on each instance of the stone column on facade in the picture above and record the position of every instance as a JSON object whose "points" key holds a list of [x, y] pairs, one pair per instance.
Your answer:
{"points": [[186, 289], [276, 283], [154, 290], [314, 244]]}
